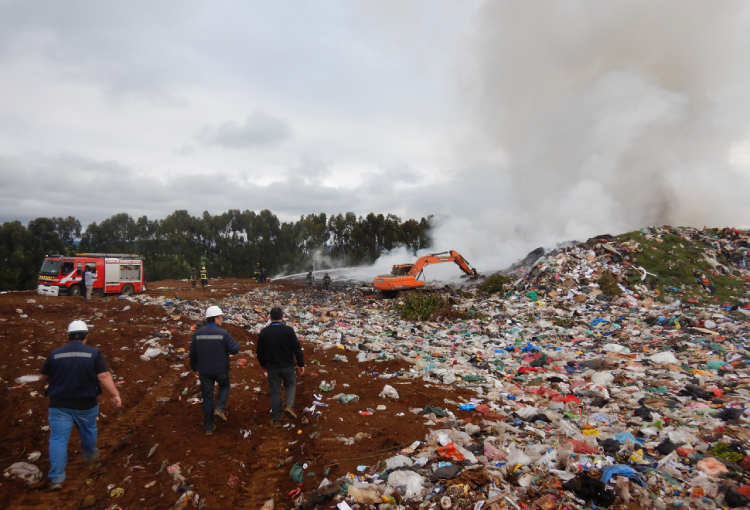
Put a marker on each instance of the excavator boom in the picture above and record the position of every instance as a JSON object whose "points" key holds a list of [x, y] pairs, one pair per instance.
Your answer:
{"points": [[406, 276]]}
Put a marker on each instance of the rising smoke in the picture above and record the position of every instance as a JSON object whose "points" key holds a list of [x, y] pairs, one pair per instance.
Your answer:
{"points": [[605, 117]]}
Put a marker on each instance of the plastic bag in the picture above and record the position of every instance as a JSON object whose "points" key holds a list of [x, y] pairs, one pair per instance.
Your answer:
{"points": [[516, 456], [664, 358], [371, 495], [388, 392], [493, 453], [412, 483], [711, 466], [449, 451], [345, 398]]}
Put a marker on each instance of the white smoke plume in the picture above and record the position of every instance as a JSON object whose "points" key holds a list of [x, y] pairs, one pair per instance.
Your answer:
{"points": [[602, 117]]}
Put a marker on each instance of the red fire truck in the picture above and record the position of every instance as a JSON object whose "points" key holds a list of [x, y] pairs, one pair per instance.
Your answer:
{"points": [[116, 273]]}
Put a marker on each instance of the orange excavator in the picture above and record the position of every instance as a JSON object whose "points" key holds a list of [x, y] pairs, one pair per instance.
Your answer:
{"points": [[406, 276]]}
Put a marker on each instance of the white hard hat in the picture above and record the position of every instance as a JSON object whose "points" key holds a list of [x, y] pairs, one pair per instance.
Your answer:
{"points": [[203, 267], [213, 311], [77, 326]]}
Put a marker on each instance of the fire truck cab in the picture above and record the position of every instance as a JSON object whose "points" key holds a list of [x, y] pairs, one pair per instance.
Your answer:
{"points": [[116, 273]]}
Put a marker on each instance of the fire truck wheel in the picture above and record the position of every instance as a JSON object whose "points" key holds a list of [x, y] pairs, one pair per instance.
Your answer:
{"points": [[127, 290], [74, 290]]}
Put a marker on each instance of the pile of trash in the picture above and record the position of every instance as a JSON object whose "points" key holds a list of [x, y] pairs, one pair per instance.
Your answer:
{"points": [[613, 371]]}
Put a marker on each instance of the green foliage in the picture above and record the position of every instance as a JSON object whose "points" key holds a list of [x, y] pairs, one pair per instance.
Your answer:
{"points": [[418, 306], [675, 261], [608, 284], [228, 244], [724, 451], [22, 249], [495, 284]]}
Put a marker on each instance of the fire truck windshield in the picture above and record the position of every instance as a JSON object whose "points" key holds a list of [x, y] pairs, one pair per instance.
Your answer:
{"points": [[50, 268]]}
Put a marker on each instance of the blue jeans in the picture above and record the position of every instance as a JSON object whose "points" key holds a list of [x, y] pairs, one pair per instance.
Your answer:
{"points": [[61, 423], [275, 376], [207, 391]]}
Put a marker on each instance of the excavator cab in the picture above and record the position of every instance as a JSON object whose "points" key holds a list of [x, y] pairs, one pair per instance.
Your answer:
{"points": [[401, 269]]}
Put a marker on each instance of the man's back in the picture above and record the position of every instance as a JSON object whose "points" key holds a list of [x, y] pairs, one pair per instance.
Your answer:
{"points": [[278, 346], [210, 350]]}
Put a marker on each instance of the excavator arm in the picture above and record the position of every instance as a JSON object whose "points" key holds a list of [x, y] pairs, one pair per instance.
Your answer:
{"points": [[406, 276], [438, 258]]}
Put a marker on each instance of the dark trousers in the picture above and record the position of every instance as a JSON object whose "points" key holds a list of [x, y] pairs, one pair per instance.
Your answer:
{"points": [[207, 391], [192, 284], [204, 283], [275, 376]]}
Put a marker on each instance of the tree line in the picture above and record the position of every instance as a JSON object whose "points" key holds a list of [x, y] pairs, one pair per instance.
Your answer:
{"points": [[228, 244]]}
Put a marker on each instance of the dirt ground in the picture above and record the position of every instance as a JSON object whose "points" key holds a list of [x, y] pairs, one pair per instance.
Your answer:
{"points": [[244, 463], [217, 288]]}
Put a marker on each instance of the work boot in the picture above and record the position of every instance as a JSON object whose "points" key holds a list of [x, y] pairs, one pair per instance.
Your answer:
{"points": [[90, 462], [211, 430], [55, 487], [277, 423], [221, 414], [289, 413]]}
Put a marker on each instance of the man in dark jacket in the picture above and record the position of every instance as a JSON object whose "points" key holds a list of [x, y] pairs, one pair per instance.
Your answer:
{"points": [[209, 359], [76, 373], [278, 346]]}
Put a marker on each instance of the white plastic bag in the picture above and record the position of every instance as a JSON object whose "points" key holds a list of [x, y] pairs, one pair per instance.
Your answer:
{"points": [[412, 482], [389, 392], [664, 358], [516, 456]]}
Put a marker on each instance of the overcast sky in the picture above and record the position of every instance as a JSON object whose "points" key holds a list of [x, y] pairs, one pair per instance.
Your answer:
{"points": [[516, 123]]}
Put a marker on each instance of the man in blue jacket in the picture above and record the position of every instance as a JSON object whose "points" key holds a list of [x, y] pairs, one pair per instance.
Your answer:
{"points": [[76, 373], [209, 359], [278, 346]]}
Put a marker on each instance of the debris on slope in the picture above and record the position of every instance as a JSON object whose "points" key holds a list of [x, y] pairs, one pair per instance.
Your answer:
{"points": [[609, 373]]}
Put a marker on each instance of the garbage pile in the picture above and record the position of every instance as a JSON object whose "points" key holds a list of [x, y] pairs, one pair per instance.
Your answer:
{"points": [[611, 373], [593, 386]]}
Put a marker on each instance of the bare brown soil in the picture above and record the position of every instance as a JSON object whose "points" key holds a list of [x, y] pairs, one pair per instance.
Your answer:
{"points": [[155, 411]]}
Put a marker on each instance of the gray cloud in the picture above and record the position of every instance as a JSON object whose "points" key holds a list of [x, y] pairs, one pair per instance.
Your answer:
{"points": [[518, 123], [258, 130]]}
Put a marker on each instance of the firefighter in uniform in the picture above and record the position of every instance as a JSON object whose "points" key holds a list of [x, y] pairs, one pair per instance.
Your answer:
{"points": [[326, 281], [192, 279], [263, 275], [204, 277], [310, 279], [75, 373], [257, 272]]}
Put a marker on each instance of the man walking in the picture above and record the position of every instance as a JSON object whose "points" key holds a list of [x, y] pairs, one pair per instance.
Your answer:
{"points": [[278, 346], [76, 373], [192, 279], [209, 359]]}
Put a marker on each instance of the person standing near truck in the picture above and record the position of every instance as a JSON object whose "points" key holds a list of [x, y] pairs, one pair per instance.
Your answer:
{"points": [[76, 373], [88, 282]]}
